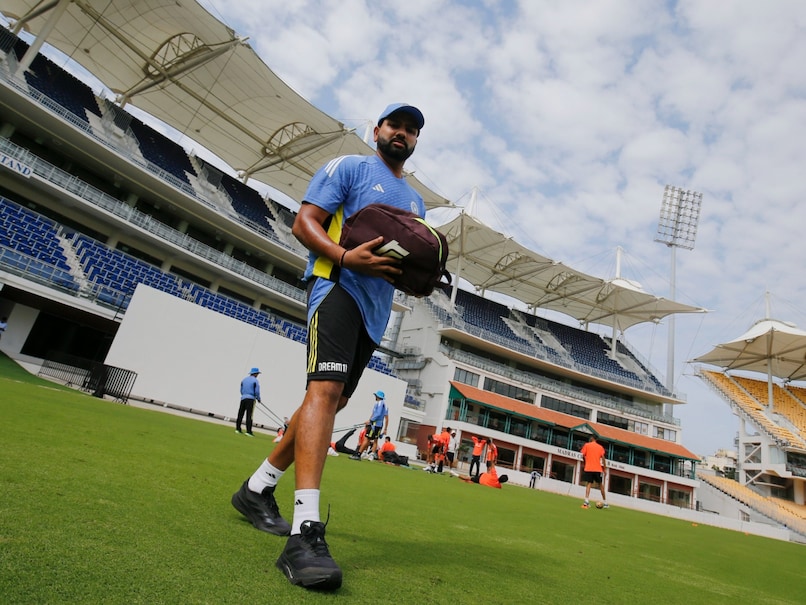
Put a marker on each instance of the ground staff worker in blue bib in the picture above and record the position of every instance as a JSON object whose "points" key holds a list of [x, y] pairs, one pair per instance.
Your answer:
{"points": [[250, 392], [378, 424], [349, 303]]}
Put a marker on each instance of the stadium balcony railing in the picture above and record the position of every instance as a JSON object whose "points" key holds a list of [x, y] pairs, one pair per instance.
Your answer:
{"points": [[90, 194], [30, 234], [179, 184], [445, 318], [36, 270], [554, 386], [113, 275], [541, 432]]}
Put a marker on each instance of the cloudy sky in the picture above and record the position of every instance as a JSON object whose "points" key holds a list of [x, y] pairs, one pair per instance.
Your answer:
{"points": [[570, 116]]}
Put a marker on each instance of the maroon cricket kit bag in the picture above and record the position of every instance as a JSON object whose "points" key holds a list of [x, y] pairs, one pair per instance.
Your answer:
{"points": [[422, 250]]}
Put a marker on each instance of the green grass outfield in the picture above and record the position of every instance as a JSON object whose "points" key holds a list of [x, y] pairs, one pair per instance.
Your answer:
{"points": [[106, 503]]}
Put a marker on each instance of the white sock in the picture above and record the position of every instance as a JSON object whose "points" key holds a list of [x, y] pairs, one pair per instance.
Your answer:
{"points": [[306, 508], [266, 476]]}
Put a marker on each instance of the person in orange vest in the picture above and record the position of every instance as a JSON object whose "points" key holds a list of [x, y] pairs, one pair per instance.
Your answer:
{"points": [[436, 454], [444, 441], [387, 446], [490, 478], [429, 452], [492, 454], [478, 446], [593, 455]]}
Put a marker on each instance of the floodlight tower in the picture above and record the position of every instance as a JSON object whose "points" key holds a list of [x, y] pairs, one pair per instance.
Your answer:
{"points": [[677, 228]]}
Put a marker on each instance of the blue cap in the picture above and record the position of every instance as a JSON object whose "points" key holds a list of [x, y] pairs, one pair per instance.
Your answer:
{"points": [[254, 371], [404, 107], [380, 395]]}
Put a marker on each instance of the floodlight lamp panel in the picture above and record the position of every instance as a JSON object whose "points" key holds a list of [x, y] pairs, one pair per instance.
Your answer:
{"points": [[679, 216]]}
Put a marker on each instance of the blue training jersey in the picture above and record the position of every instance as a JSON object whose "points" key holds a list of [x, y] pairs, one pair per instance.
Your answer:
{"points": [[379, 411], [342, 187], [250, 388]]}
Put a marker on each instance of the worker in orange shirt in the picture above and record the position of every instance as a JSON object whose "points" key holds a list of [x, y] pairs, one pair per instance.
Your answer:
{"points": [[490, 478], [435, 455], [429, 452], [492, 454], [387, 446], [593, 455], [444, 442], [478, 446]]}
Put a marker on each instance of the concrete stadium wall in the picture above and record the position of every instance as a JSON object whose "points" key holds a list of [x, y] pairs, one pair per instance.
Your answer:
{"points": [[191, 357], [758, 526], [20, 321]]}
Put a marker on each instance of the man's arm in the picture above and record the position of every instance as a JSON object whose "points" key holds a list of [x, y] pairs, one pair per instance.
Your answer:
{"points": [[310, 231]]}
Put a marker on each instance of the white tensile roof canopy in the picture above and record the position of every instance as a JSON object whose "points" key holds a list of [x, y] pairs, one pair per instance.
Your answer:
{"points": [[491, 261], [773, 347], [178, 63], [181, 65]]}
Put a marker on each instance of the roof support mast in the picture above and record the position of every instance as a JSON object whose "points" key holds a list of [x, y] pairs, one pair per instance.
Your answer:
{"points": [[59, 7]]}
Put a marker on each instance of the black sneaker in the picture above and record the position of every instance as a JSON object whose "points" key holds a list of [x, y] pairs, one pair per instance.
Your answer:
{"points": [[261, 510], [306, 560], [355, 457]]}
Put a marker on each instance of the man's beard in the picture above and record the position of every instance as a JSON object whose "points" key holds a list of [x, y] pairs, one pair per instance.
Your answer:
{"points": [[396, 153]]}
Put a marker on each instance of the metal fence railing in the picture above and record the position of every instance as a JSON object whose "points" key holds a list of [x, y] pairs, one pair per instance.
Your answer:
{"points": [[90, 376]]}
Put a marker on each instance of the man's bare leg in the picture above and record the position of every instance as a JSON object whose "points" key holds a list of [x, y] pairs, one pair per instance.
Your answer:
{"points": [[306, 560]]}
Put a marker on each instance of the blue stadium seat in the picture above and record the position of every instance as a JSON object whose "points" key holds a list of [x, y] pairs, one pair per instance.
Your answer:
{"points": [[246, 201], [162, 151], [59, 85], [32, 235]]}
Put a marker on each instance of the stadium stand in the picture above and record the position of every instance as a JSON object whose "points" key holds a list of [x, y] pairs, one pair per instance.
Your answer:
{"points": [[30, 243], [162, 151], [770, 507], [547, 340], [793, 406], [30, 233], [246, 201], [121, 272], [58, 85], [735, 390]]}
